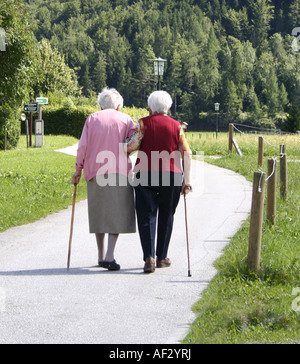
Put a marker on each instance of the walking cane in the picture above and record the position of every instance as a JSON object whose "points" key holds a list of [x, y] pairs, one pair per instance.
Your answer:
{"points": [[187, 236], [72, 223]]}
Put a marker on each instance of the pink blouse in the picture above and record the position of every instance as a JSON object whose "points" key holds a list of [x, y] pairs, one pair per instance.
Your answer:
{"points": [[100, 149]]}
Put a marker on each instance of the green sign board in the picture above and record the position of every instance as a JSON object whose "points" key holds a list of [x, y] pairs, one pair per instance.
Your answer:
{"points": [[42, 100], [31, 107]]}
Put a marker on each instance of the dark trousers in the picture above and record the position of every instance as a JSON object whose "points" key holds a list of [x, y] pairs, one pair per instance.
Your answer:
{"points": [[156, 205]]}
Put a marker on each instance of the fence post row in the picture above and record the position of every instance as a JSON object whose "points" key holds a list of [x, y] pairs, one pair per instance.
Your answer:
{"points": [[258, 197]]}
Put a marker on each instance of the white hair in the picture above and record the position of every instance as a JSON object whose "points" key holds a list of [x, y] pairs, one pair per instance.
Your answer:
{"points": [[160, 102], [109, 98]]}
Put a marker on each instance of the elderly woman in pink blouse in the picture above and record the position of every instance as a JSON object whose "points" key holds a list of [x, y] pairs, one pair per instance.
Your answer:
{"points": [[106, 167]]}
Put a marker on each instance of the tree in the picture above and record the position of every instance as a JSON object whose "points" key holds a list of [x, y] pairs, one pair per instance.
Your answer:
{"points": [[86, 81], [292, 124], [272, 93], [118, 55], [237, 23], [17, 68], [210, 77], [254, 106], [174, 74], [261, 74], [99, 73], [232, 103], [262, 12], [52, 74], [283, 97], [143, 83], [294, 13]]}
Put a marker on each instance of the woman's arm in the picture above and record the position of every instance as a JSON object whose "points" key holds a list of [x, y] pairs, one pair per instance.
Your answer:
{"points": [[136, 139]]}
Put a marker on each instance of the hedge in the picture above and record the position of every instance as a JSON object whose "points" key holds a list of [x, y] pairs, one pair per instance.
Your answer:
{"points": [[66, 121], [70, 120]]}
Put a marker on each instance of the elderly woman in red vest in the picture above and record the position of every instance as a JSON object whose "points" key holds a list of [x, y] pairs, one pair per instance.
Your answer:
{"points": [[159, 177]]}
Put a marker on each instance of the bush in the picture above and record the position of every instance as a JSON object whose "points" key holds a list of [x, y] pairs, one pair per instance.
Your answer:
{"points": [[9, 123], [68, 119]]}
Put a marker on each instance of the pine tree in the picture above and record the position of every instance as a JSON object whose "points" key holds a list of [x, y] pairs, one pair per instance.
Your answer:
{"points": [[99, 73], [294, 13], [86, 81], [232, 102], [292, 124], [272, 93], [211, 71], [262, 14], [143, 78], [174, 74], [254, 106], [283, 98]]}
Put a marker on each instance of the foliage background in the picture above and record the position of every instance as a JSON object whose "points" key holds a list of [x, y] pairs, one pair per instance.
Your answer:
{"points": [[235, 52]]}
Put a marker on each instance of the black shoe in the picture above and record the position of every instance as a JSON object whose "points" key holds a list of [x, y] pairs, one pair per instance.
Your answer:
{"points": [[100, 264], [111, 265]]}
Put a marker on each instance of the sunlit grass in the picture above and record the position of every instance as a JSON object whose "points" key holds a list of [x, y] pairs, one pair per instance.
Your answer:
{"points": [[35, 182], [239, 306]]}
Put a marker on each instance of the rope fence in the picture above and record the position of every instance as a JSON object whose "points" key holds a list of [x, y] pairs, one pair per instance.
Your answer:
{"points": [[258, 193]]}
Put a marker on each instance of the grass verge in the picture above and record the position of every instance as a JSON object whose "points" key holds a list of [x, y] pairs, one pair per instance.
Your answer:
{"points": [[239, 306], [36, 182]]}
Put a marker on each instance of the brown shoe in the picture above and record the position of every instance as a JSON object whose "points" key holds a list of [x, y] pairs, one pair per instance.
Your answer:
{"points": [[149, 265], [165, 263]]}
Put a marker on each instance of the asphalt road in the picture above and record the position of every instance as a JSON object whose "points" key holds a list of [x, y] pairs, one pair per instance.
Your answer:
{"points": [[40, 302]]}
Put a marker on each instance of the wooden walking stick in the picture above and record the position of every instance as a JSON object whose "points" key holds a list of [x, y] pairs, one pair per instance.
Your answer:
{"points": [[187, 236], [72, 223]]}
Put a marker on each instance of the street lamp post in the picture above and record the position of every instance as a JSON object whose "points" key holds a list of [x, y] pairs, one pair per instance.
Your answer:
{"points": [[217, 109], [159, 67]]}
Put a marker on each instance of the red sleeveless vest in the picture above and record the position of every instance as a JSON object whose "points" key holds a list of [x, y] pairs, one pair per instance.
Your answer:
{"points": [[159, 150]]}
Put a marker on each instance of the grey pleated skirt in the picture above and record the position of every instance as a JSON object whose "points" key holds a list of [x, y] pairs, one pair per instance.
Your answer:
{"points": [[111, 206]]}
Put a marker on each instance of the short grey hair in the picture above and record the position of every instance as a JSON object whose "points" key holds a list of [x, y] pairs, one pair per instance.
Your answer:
{"points": [[160, 102], [109, 98]]}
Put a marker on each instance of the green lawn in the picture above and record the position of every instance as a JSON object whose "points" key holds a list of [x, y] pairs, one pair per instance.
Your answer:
{"points": [[35, 182], [239, 306]]}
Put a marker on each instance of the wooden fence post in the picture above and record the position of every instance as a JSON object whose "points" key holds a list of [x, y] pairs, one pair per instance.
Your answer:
{"points": [[230, 137], [271, 193], [256, 221], [260, 150], [282, 149], [283, 176]]}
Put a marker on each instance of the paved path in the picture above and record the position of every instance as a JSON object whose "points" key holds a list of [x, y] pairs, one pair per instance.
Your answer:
{"points": [[41, 303]]}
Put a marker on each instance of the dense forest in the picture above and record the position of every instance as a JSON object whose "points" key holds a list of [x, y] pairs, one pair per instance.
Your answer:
{"points": [[235, 52]]}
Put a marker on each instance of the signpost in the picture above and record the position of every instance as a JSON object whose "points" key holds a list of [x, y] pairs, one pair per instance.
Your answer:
{"points": [[39, 124], [31, 107]]}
